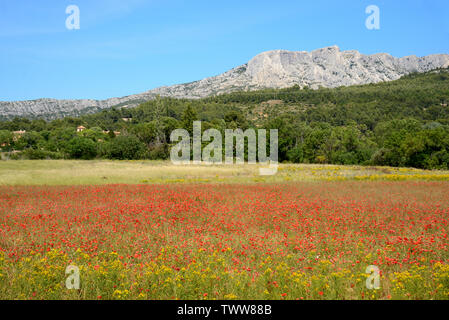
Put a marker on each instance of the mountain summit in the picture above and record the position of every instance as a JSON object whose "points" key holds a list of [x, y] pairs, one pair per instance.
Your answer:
{"points": [[326, 67]]}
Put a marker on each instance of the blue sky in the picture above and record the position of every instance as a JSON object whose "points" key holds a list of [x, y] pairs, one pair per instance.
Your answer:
{"points": [[125, 47]]}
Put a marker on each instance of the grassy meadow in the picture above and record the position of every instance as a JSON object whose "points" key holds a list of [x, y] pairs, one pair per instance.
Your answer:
{"points": [[99, 172], [153, 230]]}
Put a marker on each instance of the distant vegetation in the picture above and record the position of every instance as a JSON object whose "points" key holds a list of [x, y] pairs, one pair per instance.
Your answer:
{"points": [[398, 123]]}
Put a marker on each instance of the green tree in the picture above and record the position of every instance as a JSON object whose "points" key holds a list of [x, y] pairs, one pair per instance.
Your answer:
{"points": [[6, 140], [188, 117], [148, 132], [81, 148], [126, 147]]}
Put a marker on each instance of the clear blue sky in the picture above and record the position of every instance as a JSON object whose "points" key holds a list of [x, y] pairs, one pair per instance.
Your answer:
{"points": [[125, 47]]}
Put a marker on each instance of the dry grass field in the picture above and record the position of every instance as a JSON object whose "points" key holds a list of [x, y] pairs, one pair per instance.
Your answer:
{"points": [[72, 172]]}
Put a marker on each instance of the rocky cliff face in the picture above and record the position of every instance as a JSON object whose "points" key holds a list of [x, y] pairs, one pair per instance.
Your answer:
{"points": [[327, 67]]}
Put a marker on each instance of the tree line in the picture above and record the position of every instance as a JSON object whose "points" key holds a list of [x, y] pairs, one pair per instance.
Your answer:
{"points": [[398, 123]]}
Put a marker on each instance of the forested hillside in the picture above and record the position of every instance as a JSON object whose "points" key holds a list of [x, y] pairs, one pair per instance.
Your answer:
{"points": [[398, 123]]}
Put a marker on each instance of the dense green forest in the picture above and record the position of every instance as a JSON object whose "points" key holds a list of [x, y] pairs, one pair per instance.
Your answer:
{"points": [[398, 123]]}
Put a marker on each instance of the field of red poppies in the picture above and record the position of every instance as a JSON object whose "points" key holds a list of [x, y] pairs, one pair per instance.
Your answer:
{"points": [[310, 240]]}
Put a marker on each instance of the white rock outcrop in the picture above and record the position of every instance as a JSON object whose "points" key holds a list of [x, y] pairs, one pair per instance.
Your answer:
{"points": [[328, 67]]}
